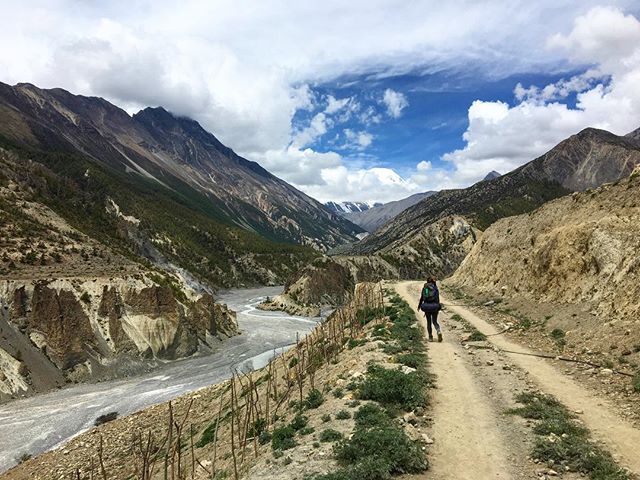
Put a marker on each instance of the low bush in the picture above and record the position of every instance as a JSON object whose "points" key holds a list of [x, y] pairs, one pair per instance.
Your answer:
{"points": [[393, 388], [330, 435], [635, 382], [208, 435], [314, 399], [563, 440], [477, 336], [343, 415], [282, 438], [299, 422], [381, 451]]}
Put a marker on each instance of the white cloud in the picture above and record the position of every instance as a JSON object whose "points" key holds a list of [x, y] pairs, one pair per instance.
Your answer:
{"points": [[335, 104], [366, 185], [357, 140], [424, 166], [502, 137], [235, 69], [395, 102]]}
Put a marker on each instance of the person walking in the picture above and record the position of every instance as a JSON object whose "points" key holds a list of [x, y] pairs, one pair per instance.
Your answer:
{"points": [[430, 305]]}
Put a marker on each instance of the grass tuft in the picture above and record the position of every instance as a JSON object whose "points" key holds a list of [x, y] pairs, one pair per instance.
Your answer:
{"points": [[563, 440]]}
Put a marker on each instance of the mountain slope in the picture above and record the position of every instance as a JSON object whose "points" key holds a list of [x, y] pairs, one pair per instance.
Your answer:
{"points": [[165, 148], [579, 250], [75, 308], [373, 218], [582, 161]]}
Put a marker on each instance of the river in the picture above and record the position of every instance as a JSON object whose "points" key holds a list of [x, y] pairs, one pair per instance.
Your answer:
{"points": [[37, 424]]}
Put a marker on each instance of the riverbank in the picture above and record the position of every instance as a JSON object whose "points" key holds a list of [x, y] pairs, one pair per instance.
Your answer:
{"points": [[34, 425]]}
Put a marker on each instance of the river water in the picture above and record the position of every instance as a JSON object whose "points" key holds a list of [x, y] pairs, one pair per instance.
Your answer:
{"points": [[40, 423]]}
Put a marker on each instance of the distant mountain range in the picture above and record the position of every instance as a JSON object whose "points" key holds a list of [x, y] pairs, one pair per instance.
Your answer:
{"points": [[377, 215], [582, 161], [345, 208]]}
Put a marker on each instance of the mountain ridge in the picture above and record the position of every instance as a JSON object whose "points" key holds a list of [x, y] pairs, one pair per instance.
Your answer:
{"points": [[153, 143]]}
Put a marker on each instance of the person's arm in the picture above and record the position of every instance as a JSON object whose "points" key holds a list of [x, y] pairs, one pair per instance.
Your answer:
{"points": [[421, 300]]}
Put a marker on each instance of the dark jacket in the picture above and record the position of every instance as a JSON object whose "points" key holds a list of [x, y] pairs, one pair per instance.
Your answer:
{"points": [[432, 306]]}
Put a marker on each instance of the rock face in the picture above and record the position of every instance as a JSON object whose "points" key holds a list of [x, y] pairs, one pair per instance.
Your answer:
{"points": [[85, 326], [585, 160], [580, 249]]}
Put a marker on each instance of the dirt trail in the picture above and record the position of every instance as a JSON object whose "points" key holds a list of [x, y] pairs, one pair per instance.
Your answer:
{"points": [[619, 436], [468, 442]]}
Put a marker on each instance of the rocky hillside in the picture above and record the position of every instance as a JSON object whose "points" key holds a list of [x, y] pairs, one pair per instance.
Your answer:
{"points": [[579, 250], [171, 153], [585, 160], [373, 218], [73, 308]]}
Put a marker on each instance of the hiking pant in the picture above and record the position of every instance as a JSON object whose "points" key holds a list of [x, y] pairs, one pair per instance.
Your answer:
{"points": [[432, 317]]}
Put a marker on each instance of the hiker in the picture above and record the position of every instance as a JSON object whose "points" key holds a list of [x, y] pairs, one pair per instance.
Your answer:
{"points": [[430, 305]]}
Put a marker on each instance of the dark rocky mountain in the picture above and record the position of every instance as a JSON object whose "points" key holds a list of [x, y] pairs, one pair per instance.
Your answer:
{"points": [[582, 161], [165, 148], [491, 175], [373, 218]]}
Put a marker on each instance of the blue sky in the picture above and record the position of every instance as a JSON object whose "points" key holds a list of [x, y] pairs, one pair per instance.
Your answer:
{"points": [[432, 123], [368, 100]]}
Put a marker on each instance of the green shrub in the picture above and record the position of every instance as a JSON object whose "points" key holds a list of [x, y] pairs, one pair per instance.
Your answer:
{"points": [[326, 418], [355, 342], [393, 388], [413, 360], [207, 435], [264, 437], [314, 399], [306, 430], [477, 336], [330, 435], [282, 438], [338, 392], [571, 446], [299, 422], [635, 382], [371, 415], [388, 445], [343, 415]]}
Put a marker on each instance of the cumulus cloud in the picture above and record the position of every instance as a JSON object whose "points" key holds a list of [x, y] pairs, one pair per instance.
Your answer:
{"points": [[395, 102], [502, 137], [235, 70], [357, 140]]}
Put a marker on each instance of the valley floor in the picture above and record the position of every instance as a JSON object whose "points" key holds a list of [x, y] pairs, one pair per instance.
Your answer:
{"points": [[477, 382]]}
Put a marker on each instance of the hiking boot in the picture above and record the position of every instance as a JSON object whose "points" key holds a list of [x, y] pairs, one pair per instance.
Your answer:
{"points": [[430, 338], [439, 336]]}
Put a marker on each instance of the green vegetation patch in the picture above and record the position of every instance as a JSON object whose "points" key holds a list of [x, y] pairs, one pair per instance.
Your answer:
{"points": [[563, 440], [313, 399], [330, 435], [635, 382], [393, 388], [282, 438]]}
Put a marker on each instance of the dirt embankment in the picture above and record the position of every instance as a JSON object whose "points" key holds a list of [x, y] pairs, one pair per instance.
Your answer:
{"points": [[571, 269]]}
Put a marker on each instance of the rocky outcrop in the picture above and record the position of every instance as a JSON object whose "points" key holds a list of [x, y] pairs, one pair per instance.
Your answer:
{"points": [[580, 250], [85, 327]]}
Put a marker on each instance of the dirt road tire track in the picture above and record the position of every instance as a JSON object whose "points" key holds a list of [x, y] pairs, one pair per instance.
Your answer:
{"points": [[618, 435]]}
